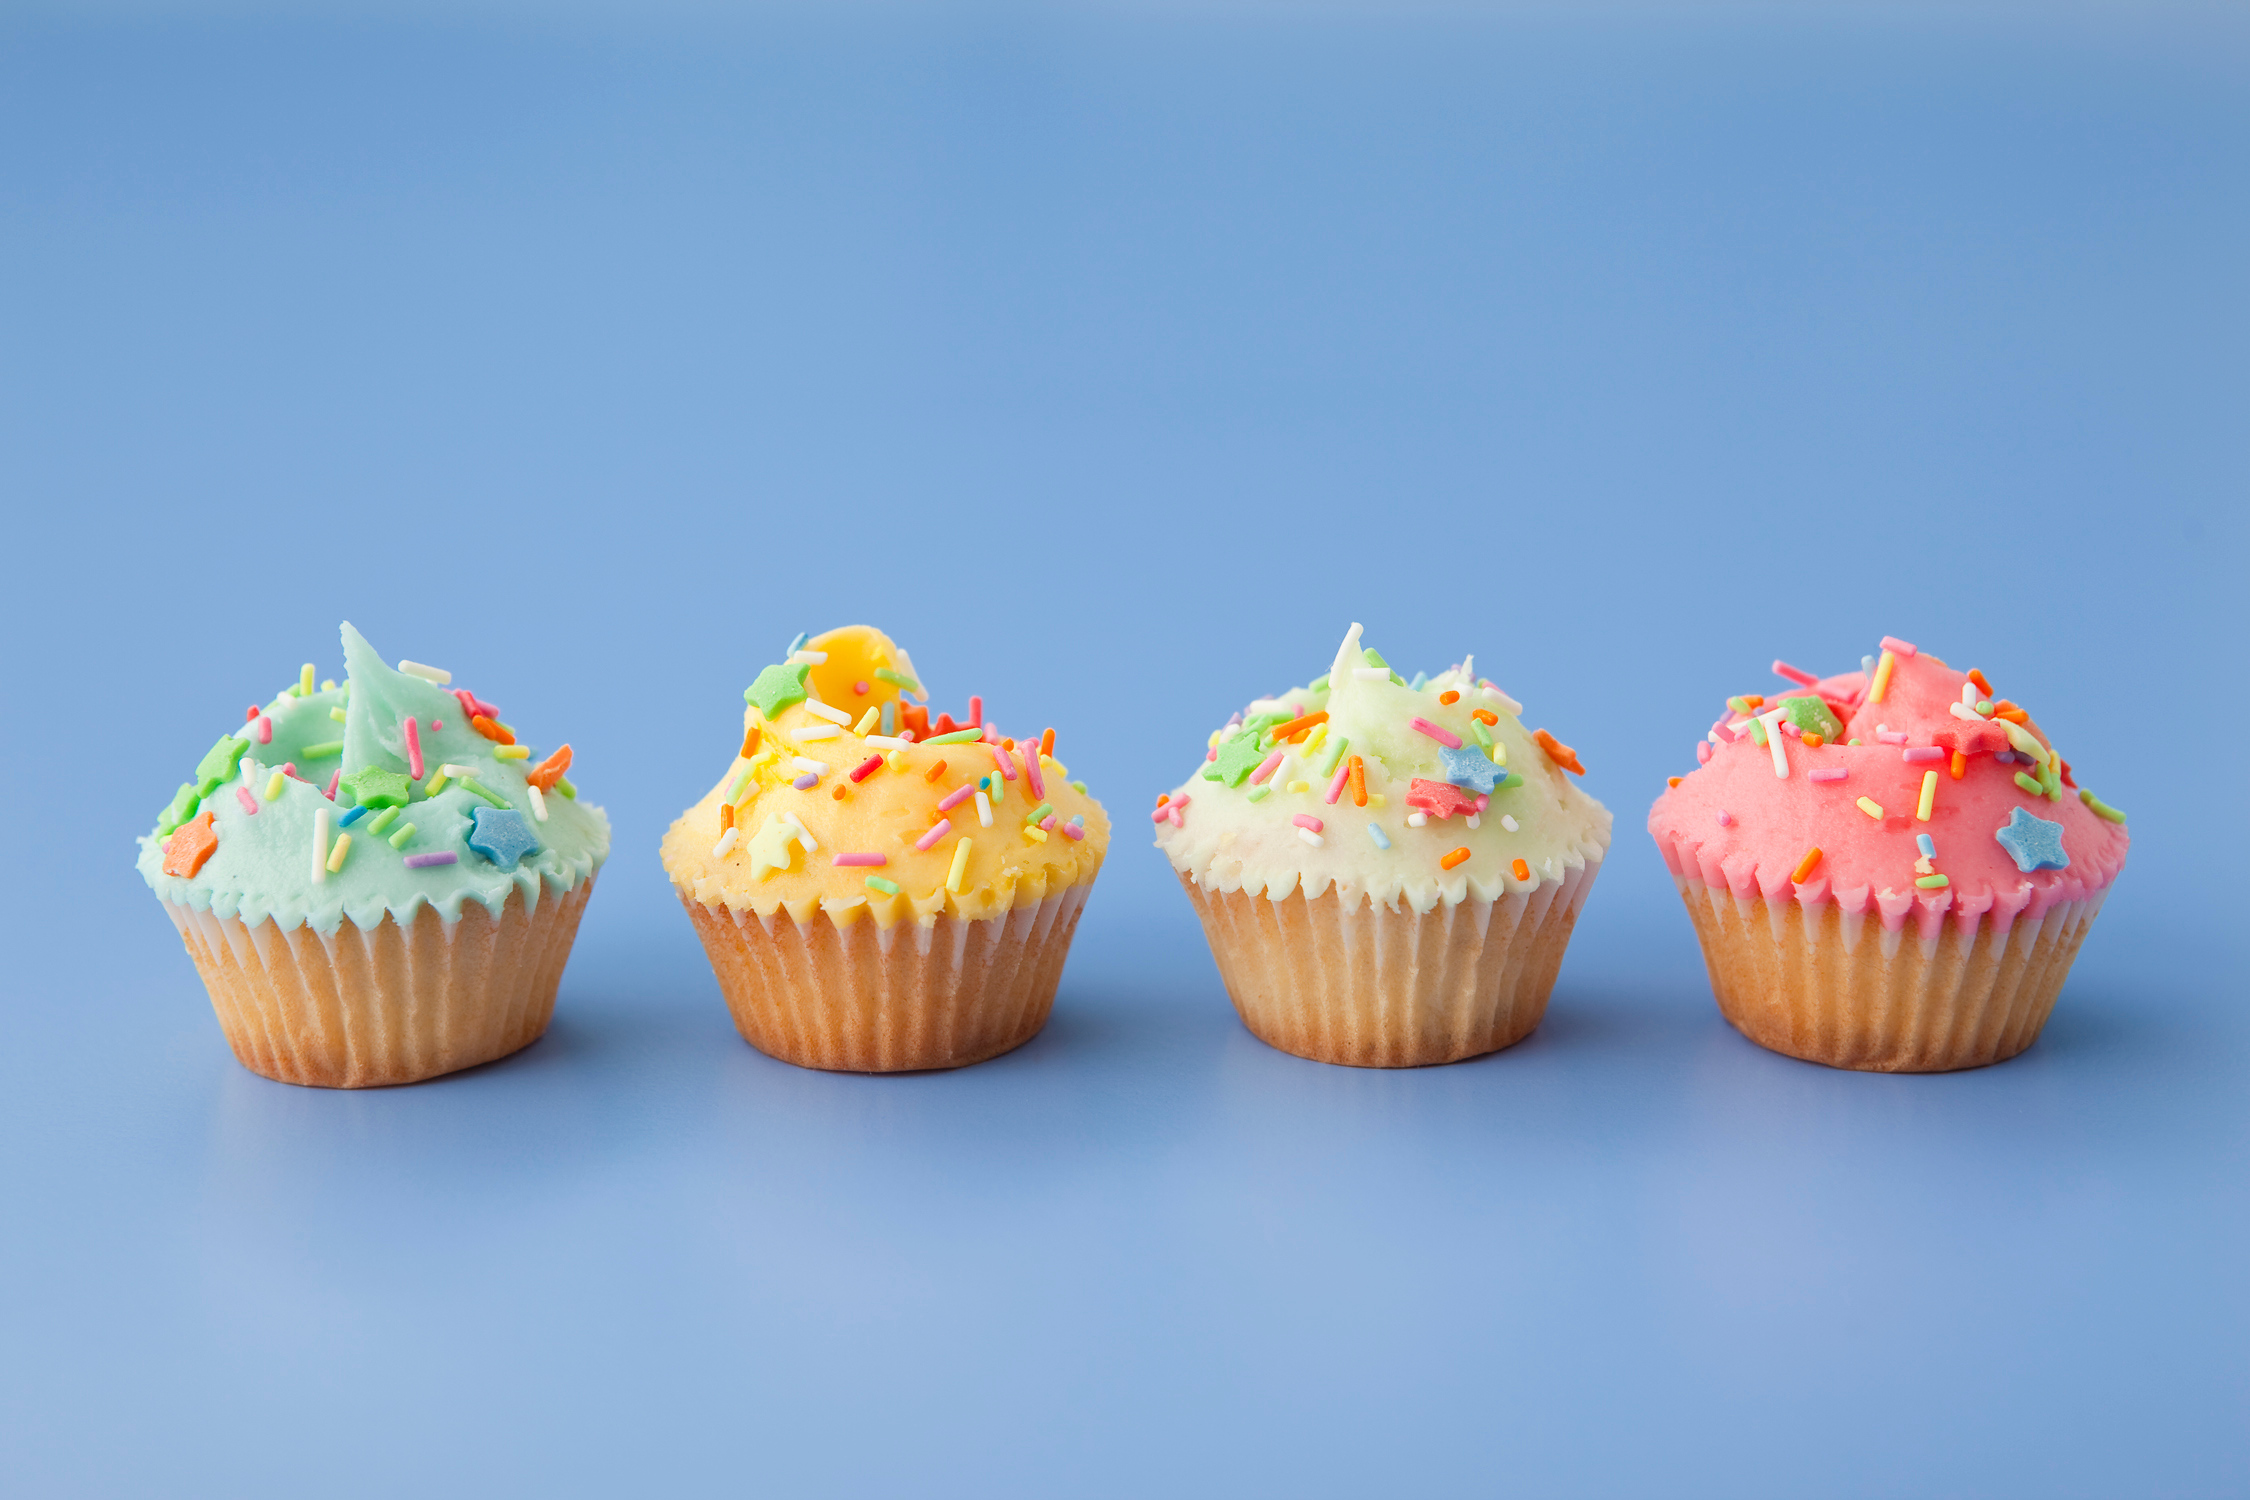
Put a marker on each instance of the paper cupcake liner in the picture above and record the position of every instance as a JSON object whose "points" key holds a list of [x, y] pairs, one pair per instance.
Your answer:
{"points": [[1381, 987], [1808, 982], [360, 1008], [862, 998]]}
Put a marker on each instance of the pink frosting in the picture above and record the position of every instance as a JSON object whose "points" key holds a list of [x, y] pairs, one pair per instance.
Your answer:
{"points": [[1770, 822]]}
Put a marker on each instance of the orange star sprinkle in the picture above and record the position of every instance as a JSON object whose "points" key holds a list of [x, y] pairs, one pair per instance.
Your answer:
{"points": [[187, 849]]}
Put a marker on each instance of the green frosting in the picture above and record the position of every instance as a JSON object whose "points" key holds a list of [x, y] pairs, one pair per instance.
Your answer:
{"points": [[263, 867]]}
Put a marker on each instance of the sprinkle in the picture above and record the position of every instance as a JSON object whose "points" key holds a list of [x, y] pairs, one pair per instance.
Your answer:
{"points": [[1484, 716], [470, 784], [1298, 726], [320, 844], [1882, 683], [1266, 768], [957, 796], [333, 777], [1417, 819], [1929, 796], [1337, 783], [1922, 753], [821, 710], [813, 732], [1522, 871], [960, 867], [1748, 703], [984, 811], [726, 842], [264, 730], [806, 782], [323, 750], [956, 737], [413, 746], [562, 785], [424, 861], [1074, 830], [1804, 868], [873, 860], [878, 883], [2030, 784], [1960, 765], [1562, 755], [549, 771], [927, 840], [338, 715], [1828, 773], [1375, 832], [804, 834], [1035, 834], [1449, 697], [1038, 813], [1459, 856], [1332, 753], [1772, 721], [1892, 644], [1726, 819], [1029, 759], [491, 730], [274, 784], [817, 767], [382, 820], [450, 769], [437, 675], [336, 855], [1359, 782], [511, 752], [1794, 674], [1671, 781], [398, 839], [1297, 786], [1371, 674], [866, 768], [1932, 882], [1311, 837], [897, 679], [934, 772], [539, 803], [867, 721], [1872, 808], [808, 658], [1307, 820], [1445, 737]]}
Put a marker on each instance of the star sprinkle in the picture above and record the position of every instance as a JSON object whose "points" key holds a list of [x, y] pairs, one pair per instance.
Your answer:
{"points": [[372, 786], [777, 687], [186, 850], [502, 837], [218, 763], [2033, 843], [1470, 767], [1811, 715], [773, 848], [1439, 798], [1238, 757]]}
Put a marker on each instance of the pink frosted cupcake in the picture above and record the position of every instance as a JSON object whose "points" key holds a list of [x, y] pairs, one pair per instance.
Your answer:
{"points": [[1909, 794]]}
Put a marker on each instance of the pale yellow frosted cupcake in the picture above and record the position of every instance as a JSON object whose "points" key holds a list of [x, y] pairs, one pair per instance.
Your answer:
{"points": [[879, 893]]}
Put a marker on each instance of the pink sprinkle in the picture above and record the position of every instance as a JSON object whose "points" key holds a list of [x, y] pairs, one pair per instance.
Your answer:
{"points": [[1791, 730], [334, 777], [1798, 675], [957, 796], [1484, 801], [1897, 647], [413, 747], [1726, 819], [861, 859], [1266, 768], [1703, 752], [944, 827], [1161, 813], [1445, 737], [1336, 786], [1725, 731], [289, 769], [1047, 824], [249, 803], [1007, 766], [866, 768], [1925, 752], [1030, 759], [976, 712], [1212, 753], [264, 731], [1891, 736], [860, 688], [1307, 820], [437, 723], [1073, 832], [472, 705], [1830, 773]]}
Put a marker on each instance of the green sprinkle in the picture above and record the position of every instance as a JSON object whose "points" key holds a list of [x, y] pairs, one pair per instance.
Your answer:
{"points": [[1484, 735], [337, 714], [735, 794], [218, 763], [1079, 787], [1330, 757], [2030, 785], [1398, 679], [1039, 812], [372, 786], [183, 803], [1854, 742], [1318, 684], [2099, 808], [1211, 773], [323, 750], [1374, 657], [1758, 731], [1238, 757], [562, 785], [1739, 704], [1515, 779], [1933, 882], [1261, 791], [398, 839], [900, 679], [471, 785], [1811, 715], [957, 737], [877, 882], [382, 820]]}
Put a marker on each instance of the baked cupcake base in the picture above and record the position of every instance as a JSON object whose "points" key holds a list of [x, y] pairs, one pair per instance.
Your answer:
{"points": [[864, 998], [397, 1003], [1372, 986], [1883, 1001]]}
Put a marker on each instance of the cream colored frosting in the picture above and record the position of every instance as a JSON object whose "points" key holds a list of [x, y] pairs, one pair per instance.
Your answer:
{"points": [[1226, 838]]}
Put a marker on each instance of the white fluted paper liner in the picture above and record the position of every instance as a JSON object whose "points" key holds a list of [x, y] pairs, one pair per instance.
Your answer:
{"points": [[865, 998], [1814, 982], [1377, 986], [393, 1003]]}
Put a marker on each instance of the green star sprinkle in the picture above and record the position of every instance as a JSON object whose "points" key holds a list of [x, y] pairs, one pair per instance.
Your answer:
{"points": [[777, 688], [218, 763], [1811, 715], [372, 786], [1238, 757]]}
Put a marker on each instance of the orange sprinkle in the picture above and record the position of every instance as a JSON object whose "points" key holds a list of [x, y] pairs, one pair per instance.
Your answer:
{"points": [[1523, 871], [750, 741], [549, 771], [1815, 741], [1805, 866], [726, 816], [1671, 781], [2006, 710], [1560, 753], [1009, 743], [1449, 696], [490, 730], [841, 788], [934, 772], [1960, 766], [1458, 856], [194, 842], [1755, 700], [1166, 797], [1359, 782], [1047, 741], [1484, 715], [1296, 727], [1983, 683]]}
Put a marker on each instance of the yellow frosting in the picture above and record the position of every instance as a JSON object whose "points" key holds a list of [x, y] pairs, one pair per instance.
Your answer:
{"points": [[767, 867]]}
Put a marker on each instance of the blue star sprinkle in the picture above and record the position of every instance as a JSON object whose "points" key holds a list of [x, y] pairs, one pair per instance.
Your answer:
{"points": [[501, 837], [2033, 843], [1470, 767]]}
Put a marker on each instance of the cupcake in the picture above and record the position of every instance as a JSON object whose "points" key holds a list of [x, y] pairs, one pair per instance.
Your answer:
{"points": [[1911, 794], [377, 881], [1388, 871], [880, 891]]}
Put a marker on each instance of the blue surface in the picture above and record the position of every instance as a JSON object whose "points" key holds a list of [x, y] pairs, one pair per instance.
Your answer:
{"points": [[1116, 365]]}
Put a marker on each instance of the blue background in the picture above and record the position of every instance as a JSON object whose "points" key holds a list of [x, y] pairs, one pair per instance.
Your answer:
{"points": [[1115, 361]]}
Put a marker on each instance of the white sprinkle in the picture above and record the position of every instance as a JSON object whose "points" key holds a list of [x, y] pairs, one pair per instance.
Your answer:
{"points": [[438, 675], [1969, 694], [1372, 674], [1472, 820], [804, 834], [538, 802], [814, 732], [821, 710], [1506, 702], [320, 843], [1772, 721], [1508, 823], [1311, 837], [817, 767], [456, 772], [726, 842], [984, 808], [888, 741], [807, 658], [1963, 711], [1417, 820]]}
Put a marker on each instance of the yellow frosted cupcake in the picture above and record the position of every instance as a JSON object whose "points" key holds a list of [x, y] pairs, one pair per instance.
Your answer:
{"points": [[878, 892]]}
